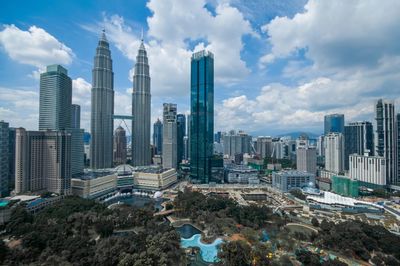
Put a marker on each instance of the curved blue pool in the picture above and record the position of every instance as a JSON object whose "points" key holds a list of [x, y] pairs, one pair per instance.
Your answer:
{"points": [[208, 252]]}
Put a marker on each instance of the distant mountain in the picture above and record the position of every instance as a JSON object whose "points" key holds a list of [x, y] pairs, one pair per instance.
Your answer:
{"points": [[295, 135]]}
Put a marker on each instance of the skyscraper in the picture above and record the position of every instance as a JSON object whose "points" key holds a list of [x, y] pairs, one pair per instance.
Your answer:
{"points": [[358, 139], [4, 163], [181, 123], [120, 146], [102, 123], [75, 116], [141, 110], [158, 136], [34, 150], [170, 136], [55, 99], [202, 116], [11, 158], [334, 123], [334, 153], [236, 143], [386, 138], [306, 157]]}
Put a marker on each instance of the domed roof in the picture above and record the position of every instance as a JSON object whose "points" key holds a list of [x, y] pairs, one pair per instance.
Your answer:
{"points": [[124, 169]]}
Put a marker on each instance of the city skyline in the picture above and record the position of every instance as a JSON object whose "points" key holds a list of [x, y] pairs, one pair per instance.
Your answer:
{"points": [[256, 80]]}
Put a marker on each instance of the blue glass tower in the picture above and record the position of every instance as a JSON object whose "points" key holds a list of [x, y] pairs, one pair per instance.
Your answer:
{"points": [[334, 123], [202, 116], [181, 123]]}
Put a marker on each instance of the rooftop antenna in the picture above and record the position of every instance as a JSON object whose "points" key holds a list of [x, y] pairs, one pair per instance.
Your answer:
{"points": [[142, 35]]}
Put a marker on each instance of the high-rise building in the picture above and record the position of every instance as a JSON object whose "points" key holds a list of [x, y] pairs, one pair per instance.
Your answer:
{"points": [[11, 158], [264, 147], [202, 116], [170, 136], [334, 123], [398, 146], [320, 146], [158, 136], [120, 146], [141, 110], [386, 138], [369, 170], [181, 123], [306, 159], [102, 123], [33, 152], [217, 137], [4, 157], [236, 143], [358, 139], [186, 148], [334, 153], [75, 116], [55, 99]]}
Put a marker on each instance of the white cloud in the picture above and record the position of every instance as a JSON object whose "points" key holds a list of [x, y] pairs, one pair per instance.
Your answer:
{"points": [[176, 29], [34, 47]]}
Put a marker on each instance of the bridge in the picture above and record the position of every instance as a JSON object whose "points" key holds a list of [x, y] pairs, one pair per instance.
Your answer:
{"points": [[164, 213]]}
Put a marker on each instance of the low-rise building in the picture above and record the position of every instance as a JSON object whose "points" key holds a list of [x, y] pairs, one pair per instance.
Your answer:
{"points": [[94, 184], [154, 178], [241, 174], [345, 186], [288, 180]]}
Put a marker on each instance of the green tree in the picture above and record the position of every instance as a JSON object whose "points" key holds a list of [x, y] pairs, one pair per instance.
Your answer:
{"points": [[235, 253]]}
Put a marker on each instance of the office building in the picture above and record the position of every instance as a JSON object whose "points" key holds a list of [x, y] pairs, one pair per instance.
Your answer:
{"points": [[202, 116], [369, 170], [154, 178], [102, 123], [358, 139], [236, 143], [11, 158], [94, 185], [186, 148], [386, 138], [181, 123], [264, 147], [75, 116], [334, 153], [141, 110], [306, 159], [241, 174], [158, 136], [4, 159], [55, 99], [170, 136], [320, 146], [77, 151], [120, 146], [42, 161], [288, 180], [218, 137], [334, 123]]}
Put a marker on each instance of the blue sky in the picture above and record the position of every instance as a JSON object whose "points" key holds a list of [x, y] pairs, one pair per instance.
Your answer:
{"points": [[280, 65]]}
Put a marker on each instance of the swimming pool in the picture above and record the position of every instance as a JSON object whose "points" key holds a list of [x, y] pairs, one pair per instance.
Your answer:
{"points": [[208, 252]]}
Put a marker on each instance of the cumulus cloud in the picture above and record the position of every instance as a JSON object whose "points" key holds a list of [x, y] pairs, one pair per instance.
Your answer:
{"points": [[177, 29], [34, 47]]}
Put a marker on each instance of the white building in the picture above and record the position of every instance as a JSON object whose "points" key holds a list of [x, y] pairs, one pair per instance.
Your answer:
{"points": [[94, 184], [368, 169], [236, 143], [242, 174], [306, 159], [334, 153], [155, 178], [170, 136]]}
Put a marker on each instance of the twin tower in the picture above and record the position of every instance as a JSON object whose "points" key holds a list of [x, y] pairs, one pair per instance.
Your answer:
{"points": [[102, 112]]}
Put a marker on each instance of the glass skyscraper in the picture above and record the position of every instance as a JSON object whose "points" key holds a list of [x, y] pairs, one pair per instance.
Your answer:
{"points": [[334, 123], [202, 116], [158, 136], [181, 122]]}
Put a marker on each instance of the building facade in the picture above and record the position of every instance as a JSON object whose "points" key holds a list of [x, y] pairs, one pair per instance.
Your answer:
{"points": [[102, 108], [236, 143], [358, 139], [141, 110], [369, 170], [386, 138], [181, 124], [75, 116], [202, 116], [120, 146], [34, 151], [334, 153], [288, 180], [170, 136], [92, 186], [158, 136], [155, 178], [4, 159], [55, 99], [334, 123], [306, 159], [264, 147]]}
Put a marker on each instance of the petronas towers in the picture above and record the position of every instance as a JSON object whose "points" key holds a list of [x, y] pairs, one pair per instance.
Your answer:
{"points": [[102, 112], [102, 123], [141, 101]]}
